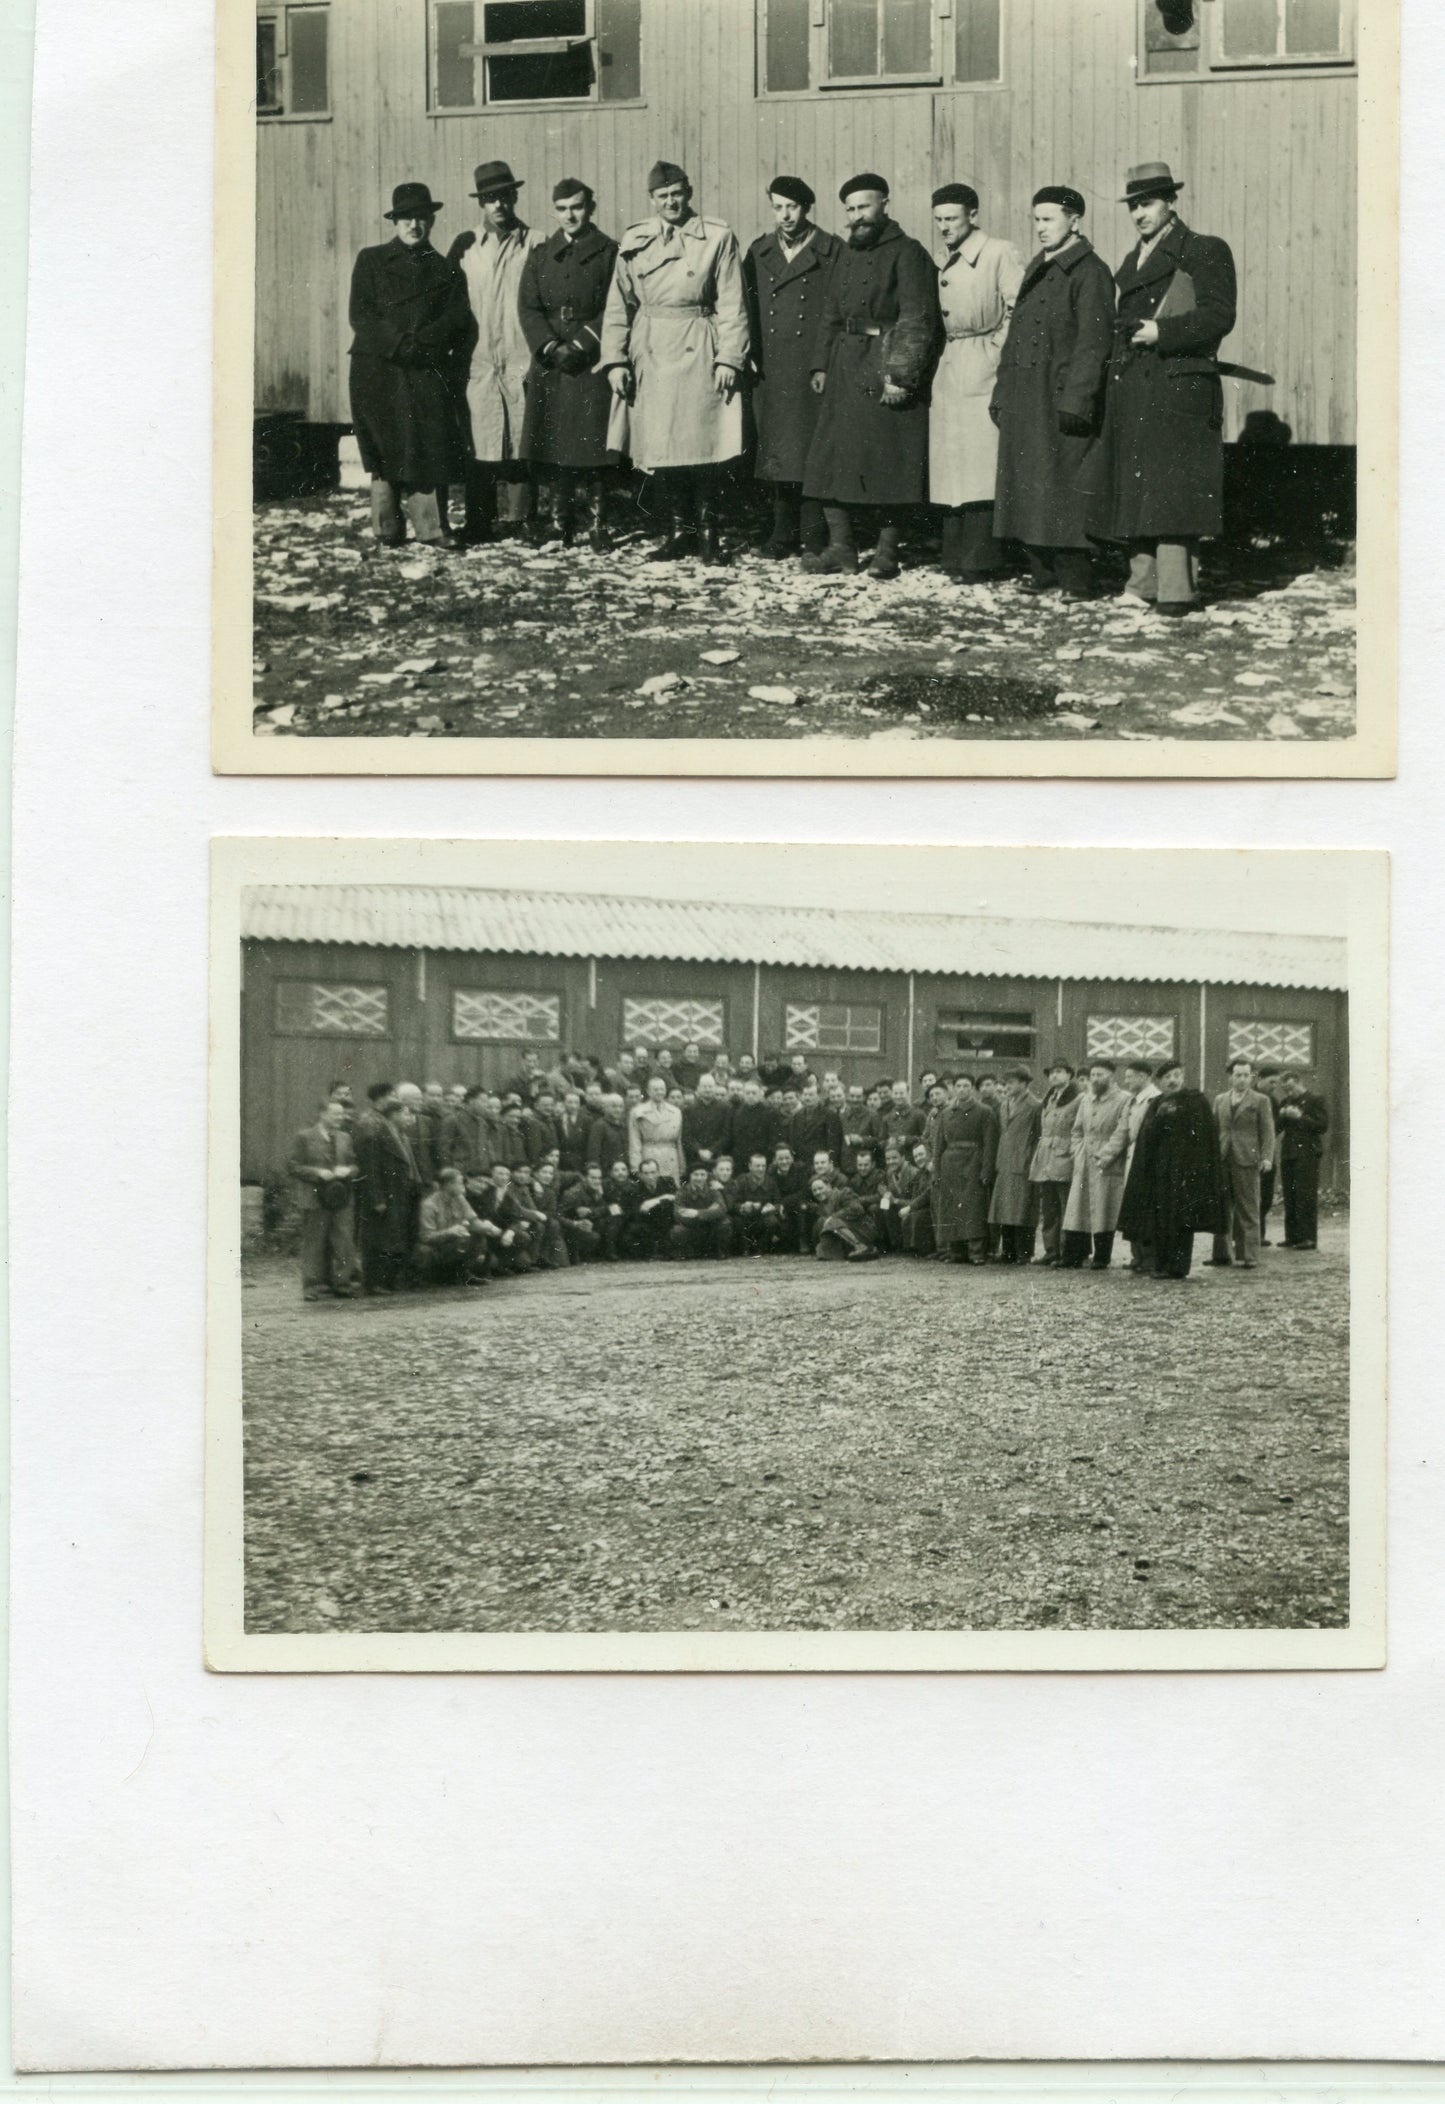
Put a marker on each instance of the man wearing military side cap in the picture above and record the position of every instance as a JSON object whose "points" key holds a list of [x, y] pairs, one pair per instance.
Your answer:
{"points": [[674, 347], [876, 350], [1048, 398], [1157, 475], [977, 286], [787, 273]]}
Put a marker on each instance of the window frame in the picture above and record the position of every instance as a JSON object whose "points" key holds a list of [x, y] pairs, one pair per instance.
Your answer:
{"points": [[1273, 1022], [1001, 1027], [631, 1036], [510, 993], [942, 79], [313, 1037], [1134, 1015], [480, 106], [1211, 66], [849, 1009], [280, 12]]}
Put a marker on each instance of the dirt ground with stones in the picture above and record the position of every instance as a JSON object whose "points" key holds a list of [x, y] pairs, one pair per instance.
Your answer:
{"points": [[782, 1444], [505, 641]]}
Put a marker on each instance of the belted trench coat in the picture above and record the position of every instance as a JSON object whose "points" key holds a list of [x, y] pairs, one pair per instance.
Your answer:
{"points": [[676, 309], [560, 301], [880, 322], [1054, 359], [1101, 1147], [786, 295], [977, 286], [496, 399]]}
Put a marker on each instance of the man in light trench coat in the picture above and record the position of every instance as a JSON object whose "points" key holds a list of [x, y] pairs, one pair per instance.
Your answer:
{"points": [[978, 283], [492, 258], [674, 345], [1101, 1148]]}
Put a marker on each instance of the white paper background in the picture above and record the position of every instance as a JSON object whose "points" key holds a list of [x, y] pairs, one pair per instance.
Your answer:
{"points": [[231, 1871]]}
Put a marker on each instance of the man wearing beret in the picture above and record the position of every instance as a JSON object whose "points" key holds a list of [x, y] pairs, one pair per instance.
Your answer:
{"points": [[1048, 398], [492, 257], [977, 286], [872, 364], [413, 339], [561, 302], [1157, 476], [674, 346], [787, 273]]}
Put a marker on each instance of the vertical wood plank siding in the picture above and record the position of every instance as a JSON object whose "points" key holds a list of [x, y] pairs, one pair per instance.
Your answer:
{"points": [[284, 1078], [1268, 163]]}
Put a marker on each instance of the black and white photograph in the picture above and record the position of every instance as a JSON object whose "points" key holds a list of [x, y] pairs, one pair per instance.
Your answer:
{"points": [[681, 1255], [827, 386]]}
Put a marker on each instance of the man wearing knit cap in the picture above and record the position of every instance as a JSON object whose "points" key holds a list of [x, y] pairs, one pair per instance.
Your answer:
{"points": [[872, 365], [787, 273], [674, 346], [561, 303], [977, 286], [492, 256], [1157, 476], [1049, 397]]}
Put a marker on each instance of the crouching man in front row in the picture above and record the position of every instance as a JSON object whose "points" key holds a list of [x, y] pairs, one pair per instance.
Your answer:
{"points": [[701, 1224], [451, 1240]]}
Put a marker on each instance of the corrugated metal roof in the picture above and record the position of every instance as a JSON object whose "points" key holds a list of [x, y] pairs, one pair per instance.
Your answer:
{"points": [[718, 931]]}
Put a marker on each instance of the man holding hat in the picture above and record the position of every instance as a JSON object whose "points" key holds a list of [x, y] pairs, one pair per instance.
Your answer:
{"points": [[1047, 400], [872, 363], [787, 273], [413, 338], [492, 258], [1157, 477], [674, 346], [977, 286], [562, 298]]}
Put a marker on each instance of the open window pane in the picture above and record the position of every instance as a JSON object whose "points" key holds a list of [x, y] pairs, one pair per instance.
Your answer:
{"points": [[456, 87], [619, 50], [552, 76], [307, 27], [984, 1034], [268, 66], [1313, 28], [521, 21], [907, 36], [853, 39], [1171, 39], [1249, 29], [976, 40], [786, 68]]}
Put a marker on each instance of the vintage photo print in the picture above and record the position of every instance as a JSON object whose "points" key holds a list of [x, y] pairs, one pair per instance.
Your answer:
{"points": [[898, 387], [678, 1256]]}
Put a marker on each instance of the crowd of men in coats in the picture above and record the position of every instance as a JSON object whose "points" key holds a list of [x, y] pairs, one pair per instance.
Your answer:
{"points": [[675, 1155], [1054, 404]]}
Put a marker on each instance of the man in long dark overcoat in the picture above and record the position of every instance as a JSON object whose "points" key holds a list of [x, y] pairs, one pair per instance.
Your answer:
{"points": [[1048, 398], [964, 1153], [561, 301], [787, 273], [1175, 1187], [412, 342], [386, 1205], [876, 350], [1156, 478], [1303, 1120]]}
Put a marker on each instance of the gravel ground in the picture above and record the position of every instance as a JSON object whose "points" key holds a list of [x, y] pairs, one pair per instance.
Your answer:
{"points": [[354, 640], [780, 1444]]}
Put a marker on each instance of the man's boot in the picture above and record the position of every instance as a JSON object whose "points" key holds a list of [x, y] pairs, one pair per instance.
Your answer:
{"points": [[951, 556], [783, 540], [885, 556], [559, 511], [840, 557], [710, 545], [813, 527], [599, 540], [681, 538]]}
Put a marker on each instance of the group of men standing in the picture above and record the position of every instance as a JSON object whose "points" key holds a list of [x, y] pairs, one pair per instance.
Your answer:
{"points": [[644, 1160], [1053, 405]]}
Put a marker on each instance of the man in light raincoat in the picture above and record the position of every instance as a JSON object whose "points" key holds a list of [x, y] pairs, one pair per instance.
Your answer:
{"points": [[674, 344], [492, 258], [978, 283]]}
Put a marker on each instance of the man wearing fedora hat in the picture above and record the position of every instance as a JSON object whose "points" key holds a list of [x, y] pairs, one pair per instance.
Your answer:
{"points": [[492, 258], [413, 336], [1156, 478], [674, 346]]}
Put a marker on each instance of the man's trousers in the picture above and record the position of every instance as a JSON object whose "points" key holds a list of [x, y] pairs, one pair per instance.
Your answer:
{"points": [[1241, 1186], [328, 1251], [393, 503], [1173, 1259], [1077, 1247], [702, 1238], [1053, 1200], [1301, 1180], [1166, 573]]}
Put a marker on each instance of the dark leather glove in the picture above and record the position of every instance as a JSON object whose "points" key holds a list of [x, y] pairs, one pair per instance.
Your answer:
{"points": [[573, 357], [1074, 426]]}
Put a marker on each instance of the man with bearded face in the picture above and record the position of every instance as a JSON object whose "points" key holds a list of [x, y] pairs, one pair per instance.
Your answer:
{"points": [[1175, 1188], [872, 365]]}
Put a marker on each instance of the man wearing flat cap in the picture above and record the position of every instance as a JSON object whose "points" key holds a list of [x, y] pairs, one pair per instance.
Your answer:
{"points": [[674, 347], [561, 302], [872, 364], [1157, 477], [413, 338], [1048, 399], [787, 273], [492, 257], [978, 283]]}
